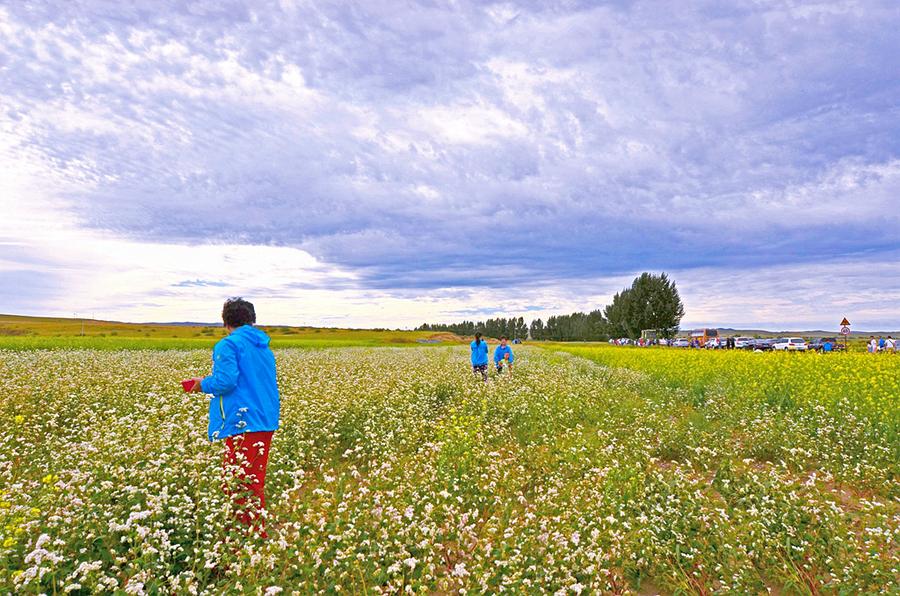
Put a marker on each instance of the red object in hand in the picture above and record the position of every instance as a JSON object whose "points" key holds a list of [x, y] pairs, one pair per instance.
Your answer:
{"points": [[189, 385]]}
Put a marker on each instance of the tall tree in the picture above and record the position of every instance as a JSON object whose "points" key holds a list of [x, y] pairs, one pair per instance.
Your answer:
{"points": [[537, 329], [656, 304], [617, 315], [652, 302], [521, 329]]}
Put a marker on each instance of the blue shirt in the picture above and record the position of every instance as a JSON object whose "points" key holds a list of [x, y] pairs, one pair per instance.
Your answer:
{"points": [[827, 347], [479, 353], [243, 385], [501, 351]]}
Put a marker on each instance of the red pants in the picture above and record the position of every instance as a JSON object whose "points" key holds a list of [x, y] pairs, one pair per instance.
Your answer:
{"points": [[246, 457]]}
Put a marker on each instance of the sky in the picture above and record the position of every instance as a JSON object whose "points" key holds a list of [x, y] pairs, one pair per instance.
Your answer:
{"points": [[387, 163]]}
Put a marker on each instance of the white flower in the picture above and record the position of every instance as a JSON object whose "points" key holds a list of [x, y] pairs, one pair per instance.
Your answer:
{"points": [[272, 590], [411, 563], [459, 570]]}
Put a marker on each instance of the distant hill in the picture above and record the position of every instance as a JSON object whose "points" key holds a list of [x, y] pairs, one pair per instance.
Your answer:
{"points": [[19, 326], [190, 324]]}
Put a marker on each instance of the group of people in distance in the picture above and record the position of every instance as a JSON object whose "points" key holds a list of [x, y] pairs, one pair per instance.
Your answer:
{"points": [[885, 346], [503, 355]]}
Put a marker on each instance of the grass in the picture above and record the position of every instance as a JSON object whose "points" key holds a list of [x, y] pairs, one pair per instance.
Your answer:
{"points": [[29, 333]]}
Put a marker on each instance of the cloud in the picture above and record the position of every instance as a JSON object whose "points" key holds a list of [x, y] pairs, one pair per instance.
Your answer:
{"points": [[422, 148], [200, 283]]}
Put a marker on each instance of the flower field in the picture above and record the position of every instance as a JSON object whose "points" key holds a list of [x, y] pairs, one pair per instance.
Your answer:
{"points": [[865, 385], [395, 471]]}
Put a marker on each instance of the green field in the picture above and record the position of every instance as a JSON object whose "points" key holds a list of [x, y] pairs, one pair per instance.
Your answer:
{"points": [[613, 471], [18, 333]]}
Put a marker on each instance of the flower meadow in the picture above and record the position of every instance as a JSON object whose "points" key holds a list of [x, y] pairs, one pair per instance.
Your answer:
{"points": [[396, 471]]}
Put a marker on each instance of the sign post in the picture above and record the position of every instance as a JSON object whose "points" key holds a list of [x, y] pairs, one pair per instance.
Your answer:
{"points": [[845, 331]]}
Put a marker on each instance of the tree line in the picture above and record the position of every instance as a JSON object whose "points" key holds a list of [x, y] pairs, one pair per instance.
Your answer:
{"points": [[513, 328], [651, 302]]}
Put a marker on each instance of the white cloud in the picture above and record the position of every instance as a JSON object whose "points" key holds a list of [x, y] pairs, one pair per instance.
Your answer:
{"points": [[537, 151]]}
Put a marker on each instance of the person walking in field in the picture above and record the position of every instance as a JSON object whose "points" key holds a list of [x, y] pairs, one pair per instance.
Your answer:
{"points": [[503, 353], [479, 357], [244, 409], [890, 345], [873, 345]]}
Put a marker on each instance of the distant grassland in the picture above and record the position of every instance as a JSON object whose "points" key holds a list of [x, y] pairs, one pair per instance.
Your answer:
{"points": [[19, 332]]}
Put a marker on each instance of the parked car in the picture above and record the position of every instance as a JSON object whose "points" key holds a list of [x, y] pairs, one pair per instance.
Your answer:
{"points": [[681, 343], [790, 344], [714, 343], [762, 345], [743, 343], [817, 345]]}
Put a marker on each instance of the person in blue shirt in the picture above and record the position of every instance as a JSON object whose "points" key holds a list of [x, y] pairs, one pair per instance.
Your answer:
{"points": [[827, 346], [244, 410], [479, 349], [503, 353]]}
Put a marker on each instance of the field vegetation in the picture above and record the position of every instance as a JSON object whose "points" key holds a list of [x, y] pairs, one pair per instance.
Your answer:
{"points": [[17, 332], [856, 383], [397, 472]]}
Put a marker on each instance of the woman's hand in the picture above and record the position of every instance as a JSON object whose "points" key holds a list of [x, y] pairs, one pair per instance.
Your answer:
{"points": [[192, 385]]}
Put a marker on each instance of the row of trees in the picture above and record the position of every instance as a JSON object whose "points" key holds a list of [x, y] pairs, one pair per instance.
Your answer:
{"points": [[577, 326], [512, 328], [651, 302]]}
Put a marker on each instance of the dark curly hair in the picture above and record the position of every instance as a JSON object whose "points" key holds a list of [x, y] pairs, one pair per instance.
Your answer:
{"points": [[238, 312]]}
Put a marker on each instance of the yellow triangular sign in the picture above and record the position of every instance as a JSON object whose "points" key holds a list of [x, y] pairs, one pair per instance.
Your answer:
{"points": [[845, 322]]}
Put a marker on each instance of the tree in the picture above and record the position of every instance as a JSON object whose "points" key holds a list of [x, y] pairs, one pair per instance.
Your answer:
{"points": [[652, 302], [521, 329], [656, 304], [537, 330], [617, 315]]}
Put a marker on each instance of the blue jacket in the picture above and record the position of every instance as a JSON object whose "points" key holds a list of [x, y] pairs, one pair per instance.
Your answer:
{"points": [[500, 352], [479, 353], [245, 392]]}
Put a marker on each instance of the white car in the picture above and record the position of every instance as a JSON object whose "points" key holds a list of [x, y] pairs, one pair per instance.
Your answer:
{"points": [[790, 344], [741, 343], [680, 343]]}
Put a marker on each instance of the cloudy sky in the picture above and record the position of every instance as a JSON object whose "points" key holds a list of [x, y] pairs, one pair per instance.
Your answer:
{"points": [[388, 163]]}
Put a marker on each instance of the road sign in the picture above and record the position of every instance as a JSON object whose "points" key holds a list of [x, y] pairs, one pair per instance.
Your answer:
{"points": [[845, 322], [845, 330]]}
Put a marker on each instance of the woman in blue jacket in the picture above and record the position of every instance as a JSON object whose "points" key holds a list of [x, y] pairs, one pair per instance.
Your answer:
{"points": [[479, 356], [503, 353], [244, 409]]}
